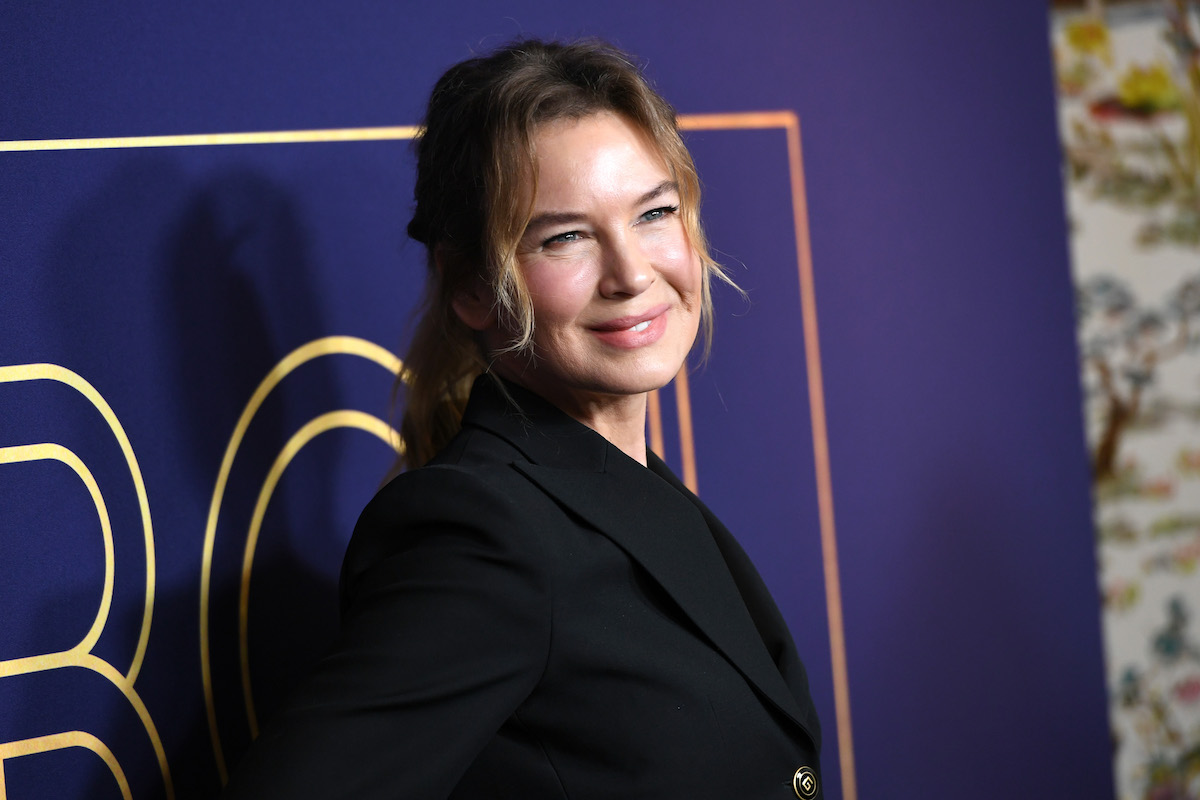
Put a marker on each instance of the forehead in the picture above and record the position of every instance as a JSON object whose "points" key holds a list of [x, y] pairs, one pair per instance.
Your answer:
{"points": [[601, 153]]}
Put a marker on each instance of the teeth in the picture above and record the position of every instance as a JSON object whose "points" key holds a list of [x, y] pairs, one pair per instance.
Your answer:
{"points": [[641, 326]]}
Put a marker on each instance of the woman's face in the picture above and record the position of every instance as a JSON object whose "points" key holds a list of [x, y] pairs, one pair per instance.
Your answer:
{"points": [[615, 283]]}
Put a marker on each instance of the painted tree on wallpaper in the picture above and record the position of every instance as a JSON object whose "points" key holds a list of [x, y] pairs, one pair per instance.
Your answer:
{"points": [[1122, 344], [1129, 114]]}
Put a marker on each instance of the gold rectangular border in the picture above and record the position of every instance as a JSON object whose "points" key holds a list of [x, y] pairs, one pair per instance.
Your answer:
{"points": [[760, 120]]}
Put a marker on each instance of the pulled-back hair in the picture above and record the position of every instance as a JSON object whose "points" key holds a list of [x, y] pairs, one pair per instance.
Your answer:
{"points": [[475, 156]]}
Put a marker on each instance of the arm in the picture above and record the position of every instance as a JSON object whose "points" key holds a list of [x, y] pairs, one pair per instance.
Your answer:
{"points": [[445, 631]]}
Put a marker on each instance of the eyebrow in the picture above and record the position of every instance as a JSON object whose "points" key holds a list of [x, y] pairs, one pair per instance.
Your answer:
{"points": [[568, 217], [658, 191]]}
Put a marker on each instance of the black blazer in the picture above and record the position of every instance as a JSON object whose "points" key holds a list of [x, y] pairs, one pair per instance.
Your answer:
{"points": [[536, 615]]}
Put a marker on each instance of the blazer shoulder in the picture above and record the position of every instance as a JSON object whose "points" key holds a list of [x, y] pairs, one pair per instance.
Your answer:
{"points": [[475, 465], [478, 497]]}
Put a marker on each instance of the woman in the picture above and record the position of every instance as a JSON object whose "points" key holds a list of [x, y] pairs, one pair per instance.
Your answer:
{"points": [[538, 608]]}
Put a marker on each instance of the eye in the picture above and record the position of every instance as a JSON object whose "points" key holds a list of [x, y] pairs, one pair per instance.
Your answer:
{"points": [[658, 213], [562, 238]]}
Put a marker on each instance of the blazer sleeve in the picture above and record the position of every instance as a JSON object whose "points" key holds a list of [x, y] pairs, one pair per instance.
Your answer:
{"points": [[445, 631]]}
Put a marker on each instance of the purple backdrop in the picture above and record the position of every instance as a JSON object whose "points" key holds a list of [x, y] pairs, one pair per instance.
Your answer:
{"points": [[173, 280]]}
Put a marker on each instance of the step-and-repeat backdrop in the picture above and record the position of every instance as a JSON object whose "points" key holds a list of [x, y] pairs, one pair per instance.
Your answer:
{"points": [[204, 283]]}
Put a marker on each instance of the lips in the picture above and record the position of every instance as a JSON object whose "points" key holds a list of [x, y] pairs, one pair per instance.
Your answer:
{"points": [[633, 320], [637, 330]]}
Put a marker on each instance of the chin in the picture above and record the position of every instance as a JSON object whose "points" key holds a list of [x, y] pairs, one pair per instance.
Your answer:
{"points": [[648, 380]]}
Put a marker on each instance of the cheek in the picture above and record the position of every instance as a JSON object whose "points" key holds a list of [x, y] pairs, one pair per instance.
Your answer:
{"points": [[686, 273], [559, 290], [677, 261]]}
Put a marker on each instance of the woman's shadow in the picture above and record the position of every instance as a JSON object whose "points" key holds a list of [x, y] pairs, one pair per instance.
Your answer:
{"points": [[243, 284]]}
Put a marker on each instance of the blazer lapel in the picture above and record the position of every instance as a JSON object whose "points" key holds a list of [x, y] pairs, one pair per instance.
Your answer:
{"points": [[664, 533], [766, 615]]}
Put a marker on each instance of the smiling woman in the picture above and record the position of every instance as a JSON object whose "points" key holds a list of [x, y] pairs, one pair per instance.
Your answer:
{"points": [[612, 278], [538, 608]]}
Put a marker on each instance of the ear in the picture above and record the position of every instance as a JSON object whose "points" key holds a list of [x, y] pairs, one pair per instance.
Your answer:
{"points": [[475, 305]]}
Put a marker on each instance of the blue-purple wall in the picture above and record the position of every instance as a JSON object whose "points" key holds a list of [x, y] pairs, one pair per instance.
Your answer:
{"points": [[174, 279]]}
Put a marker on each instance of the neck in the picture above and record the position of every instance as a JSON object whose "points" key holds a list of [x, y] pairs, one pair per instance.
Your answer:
{"points": [[619, 418], [623, 424]]}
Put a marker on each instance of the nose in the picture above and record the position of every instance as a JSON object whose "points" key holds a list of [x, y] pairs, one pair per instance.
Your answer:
{"points": [[627, 269]]}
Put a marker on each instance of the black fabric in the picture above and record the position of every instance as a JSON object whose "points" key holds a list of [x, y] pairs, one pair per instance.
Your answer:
{"points": [[536, 615]]}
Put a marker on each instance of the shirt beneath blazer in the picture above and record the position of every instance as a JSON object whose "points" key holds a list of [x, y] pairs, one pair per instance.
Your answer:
{"points": [[534, 615]]}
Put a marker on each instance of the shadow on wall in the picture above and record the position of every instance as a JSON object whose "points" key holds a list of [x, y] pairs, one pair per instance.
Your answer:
{"points": [[175, 290], [242, 281]]}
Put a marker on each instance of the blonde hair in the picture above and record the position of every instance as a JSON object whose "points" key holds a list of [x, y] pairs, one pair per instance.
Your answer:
{"points": [[474, 157]]}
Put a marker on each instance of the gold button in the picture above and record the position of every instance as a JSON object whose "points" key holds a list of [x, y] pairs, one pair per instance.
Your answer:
{"points": [[805, 783]]}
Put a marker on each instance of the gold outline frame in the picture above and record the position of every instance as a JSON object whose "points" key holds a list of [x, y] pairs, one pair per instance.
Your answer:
{"points": [[789, 122]]}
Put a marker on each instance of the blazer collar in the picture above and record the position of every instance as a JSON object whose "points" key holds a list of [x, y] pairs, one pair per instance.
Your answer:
{"points": [[647, 514]]}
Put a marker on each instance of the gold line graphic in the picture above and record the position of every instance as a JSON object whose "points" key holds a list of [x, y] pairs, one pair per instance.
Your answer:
{"points": [[687, 122], [654, 423], [210, 139], [22, 666], [326, 422], [330, 345], [61, 741], [687, 447], [816, 402], [683, 409], [53, 372], [102, 667], [72, 658], [56, 452], [740, 120], [79, 656], [816, 397]]}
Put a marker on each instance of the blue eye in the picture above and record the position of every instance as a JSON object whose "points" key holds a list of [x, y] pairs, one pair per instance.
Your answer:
{"points": [[562, 238], [658, 213]]}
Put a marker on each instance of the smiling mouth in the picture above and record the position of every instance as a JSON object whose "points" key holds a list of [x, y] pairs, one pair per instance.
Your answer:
{"points": [[632, 323], [634, 331]]}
